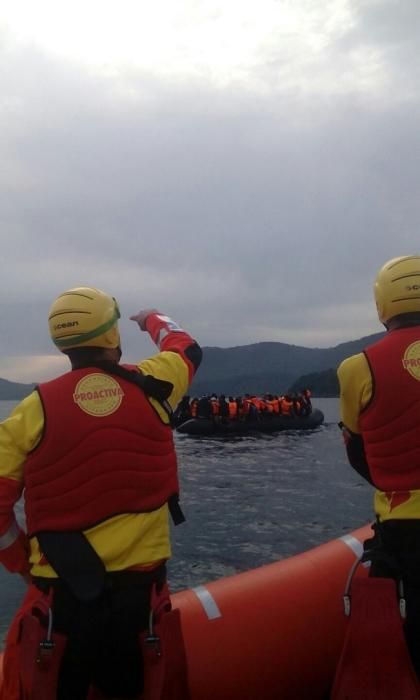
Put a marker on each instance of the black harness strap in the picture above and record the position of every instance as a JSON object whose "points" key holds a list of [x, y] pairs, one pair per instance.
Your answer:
{"points": [[75, 562], [381, 559], [157, 389], [175, 510]]}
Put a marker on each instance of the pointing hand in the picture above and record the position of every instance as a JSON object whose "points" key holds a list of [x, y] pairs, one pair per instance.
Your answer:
{"points": [[142, 316]]}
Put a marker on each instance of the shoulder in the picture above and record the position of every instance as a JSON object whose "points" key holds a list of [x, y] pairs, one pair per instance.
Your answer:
{"points": [[165, 365], [354, 375], [31, 404], [355, 382], [356, 364], [170, 367], [25, 423]]}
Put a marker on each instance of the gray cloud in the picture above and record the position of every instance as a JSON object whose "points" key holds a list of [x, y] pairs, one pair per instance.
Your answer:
{"points": [[249, 211]]}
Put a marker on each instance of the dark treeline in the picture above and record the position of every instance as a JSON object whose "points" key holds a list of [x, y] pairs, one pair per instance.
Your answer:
{"points": [[255, 368], [13, 391], [323, 384]]}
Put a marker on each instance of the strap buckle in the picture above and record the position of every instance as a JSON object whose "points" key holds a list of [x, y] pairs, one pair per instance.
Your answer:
{"points": [[47, 645]]}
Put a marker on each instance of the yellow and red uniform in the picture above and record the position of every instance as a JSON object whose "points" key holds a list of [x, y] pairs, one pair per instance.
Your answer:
{"points": [[380, 402], [77, 476], [122, 533]]}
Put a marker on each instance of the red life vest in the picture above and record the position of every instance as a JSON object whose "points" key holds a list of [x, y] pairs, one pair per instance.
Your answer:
{"points": [[104, 451], [390, 423]]}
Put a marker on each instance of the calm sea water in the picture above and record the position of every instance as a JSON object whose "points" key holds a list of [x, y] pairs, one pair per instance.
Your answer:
{"points": [[250, 501]]}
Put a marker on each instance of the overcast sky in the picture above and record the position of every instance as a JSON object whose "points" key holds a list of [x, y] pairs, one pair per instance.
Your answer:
{"points": [[246, 166]]}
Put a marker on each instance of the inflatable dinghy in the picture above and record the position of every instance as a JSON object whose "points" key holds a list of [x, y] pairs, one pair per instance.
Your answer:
{"points": [[269, 424], [273, 632]]}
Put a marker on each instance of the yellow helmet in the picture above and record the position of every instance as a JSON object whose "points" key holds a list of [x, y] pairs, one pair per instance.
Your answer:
{"points": [[397, 287], [84, 317]]}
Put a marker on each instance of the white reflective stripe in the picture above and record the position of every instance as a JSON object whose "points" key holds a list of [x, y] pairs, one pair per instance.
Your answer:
{"points": [[208, 602], [9, 536], [171, 325], [354, 544], [161, 335]]}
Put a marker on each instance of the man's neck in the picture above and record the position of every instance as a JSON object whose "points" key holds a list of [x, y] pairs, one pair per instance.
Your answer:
{"points": [[106, 356], [403, 321]]}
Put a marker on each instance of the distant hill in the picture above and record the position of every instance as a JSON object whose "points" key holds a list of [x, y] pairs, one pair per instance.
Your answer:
{"points": [[323, 384], [256, 369], [14, 391], [271, 367]]}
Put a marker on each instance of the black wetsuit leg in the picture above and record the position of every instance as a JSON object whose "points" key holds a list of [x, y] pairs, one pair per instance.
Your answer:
{"points": [[103, 647], [401, 539]]}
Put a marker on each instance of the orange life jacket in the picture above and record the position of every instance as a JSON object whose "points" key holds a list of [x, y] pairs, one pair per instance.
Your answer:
{"points": [[233, 409], [286, 407], [276, 406], [215, 407]]}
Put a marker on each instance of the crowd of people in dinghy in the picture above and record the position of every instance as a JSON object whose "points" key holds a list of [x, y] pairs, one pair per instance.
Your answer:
{"points": [[220, 408]]}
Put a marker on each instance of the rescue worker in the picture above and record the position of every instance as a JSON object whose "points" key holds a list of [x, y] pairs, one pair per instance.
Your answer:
{"points": [[94, 451], [380, 409]]}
